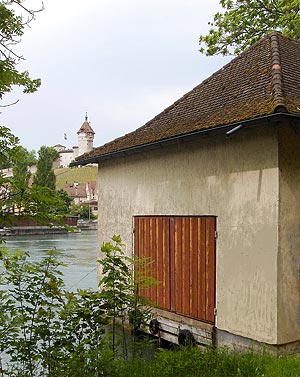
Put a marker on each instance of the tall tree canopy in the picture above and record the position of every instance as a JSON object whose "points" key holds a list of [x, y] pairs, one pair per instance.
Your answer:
{"points": [[8, 145], [44, 174], [22, 160], [14, 17], [39, 202], [246, 21]]}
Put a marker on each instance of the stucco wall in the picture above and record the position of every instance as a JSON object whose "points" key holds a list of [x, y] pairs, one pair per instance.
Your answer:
{"points": [[289, 236], [235, 179], [66, 158]]}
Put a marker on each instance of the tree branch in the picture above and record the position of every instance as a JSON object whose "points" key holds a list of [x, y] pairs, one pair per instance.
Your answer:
{"points": [[10, 104]]}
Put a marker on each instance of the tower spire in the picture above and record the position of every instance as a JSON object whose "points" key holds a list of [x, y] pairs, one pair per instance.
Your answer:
{"points": [[85, 137]]}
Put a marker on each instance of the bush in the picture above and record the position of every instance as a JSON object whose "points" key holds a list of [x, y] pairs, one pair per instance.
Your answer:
{"points": [[43, 328], [47, 331], [84, 211]]}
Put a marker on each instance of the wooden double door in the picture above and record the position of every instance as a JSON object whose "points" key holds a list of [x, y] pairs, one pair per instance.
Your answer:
{"points": [[181, 256]]}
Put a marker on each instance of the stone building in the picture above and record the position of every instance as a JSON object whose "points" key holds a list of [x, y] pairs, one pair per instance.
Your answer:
{"points": [[85, 145]]}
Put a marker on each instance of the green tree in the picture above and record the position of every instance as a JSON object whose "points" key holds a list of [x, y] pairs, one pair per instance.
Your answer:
{"points": [[43, 328], [84, 211], [48, 331], [246, 21], [22, 160], [123, 280], [14, 17], [67, 200], [38, 202], [41, 203], [8, 145], [44, 174]]}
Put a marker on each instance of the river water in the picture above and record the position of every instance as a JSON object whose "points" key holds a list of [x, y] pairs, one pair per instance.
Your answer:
{"points": [[77, 250]]}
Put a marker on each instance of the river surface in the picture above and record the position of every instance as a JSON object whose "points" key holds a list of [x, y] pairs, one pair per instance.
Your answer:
{"points": [[77, 250]]}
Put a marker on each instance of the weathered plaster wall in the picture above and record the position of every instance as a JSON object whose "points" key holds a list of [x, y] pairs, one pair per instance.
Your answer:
{"points": [[289, 236], [234, 178]]}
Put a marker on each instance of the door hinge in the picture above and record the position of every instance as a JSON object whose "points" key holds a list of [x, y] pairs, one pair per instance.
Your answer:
{"points": [[216, 234], [133, 230], [215, 311]]}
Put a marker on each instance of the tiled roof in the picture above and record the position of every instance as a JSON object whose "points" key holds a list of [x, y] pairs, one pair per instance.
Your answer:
{"points": [[58, 145], [263, 80], [86, 127], [78, 191], [66, 151]]}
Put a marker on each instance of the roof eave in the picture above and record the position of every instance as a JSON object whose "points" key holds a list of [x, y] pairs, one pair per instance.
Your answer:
{"points": [[186, 137]]}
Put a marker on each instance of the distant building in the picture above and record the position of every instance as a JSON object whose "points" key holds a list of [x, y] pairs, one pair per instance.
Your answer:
{"points": [[84, 193], [85, 144]]}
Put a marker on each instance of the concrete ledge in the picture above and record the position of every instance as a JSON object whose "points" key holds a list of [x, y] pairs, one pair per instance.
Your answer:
{"points": [[20, 231], [242, 344], [206, 334]]}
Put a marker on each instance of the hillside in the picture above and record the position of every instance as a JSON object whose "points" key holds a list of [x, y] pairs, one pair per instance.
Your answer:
{"points": [[70, 175]]}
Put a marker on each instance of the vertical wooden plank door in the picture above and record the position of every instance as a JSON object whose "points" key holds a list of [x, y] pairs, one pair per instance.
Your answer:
{"points": [[181, 251]]}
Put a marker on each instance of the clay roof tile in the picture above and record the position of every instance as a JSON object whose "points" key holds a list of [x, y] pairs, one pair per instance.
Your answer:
{"points": [[86, 127], [260, 81]]}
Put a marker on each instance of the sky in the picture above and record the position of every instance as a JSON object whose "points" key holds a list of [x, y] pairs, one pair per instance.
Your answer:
{"points": [[121, 61]]}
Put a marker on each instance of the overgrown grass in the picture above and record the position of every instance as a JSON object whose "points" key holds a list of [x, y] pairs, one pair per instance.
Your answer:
{"points": [[185, 362], [193, 362]]}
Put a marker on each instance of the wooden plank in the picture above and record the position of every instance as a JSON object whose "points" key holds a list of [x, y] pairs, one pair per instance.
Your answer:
{"points": [[146, 251], [194, 267], [153, 260], [166, 263], [186, 266], [181, 320], [178, 265], [172, 264], [211, 263], [202, 272], [159, 236], [156, 257]]}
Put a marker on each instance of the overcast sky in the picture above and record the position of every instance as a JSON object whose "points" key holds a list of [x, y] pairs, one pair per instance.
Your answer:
{"points": [[122, 61]]}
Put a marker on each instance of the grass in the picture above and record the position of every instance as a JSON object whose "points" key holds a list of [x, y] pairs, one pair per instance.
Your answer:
{"points": [[189, 362], [208, 363], [70, 175]]}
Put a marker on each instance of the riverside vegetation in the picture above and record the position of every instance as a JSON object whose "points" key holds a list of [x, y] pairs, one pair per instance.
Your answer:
{"points": [[48, 331]]}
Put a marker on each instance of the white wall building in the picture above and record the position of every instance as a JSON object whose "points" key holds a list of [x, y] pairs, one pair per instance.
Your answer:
{"points": [[85, 144]]}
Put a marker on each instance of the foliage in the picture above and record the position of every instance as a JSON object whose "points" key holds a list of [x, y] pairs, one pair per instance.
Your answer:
{"points": [[44, 174], [28, 309], [246, 21], [121, 300], [84, 211], [41, 203], [22, 160], [16, 198], [14, 17], [66, 199], [47, 331], [8, 144], [42, 327]]}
